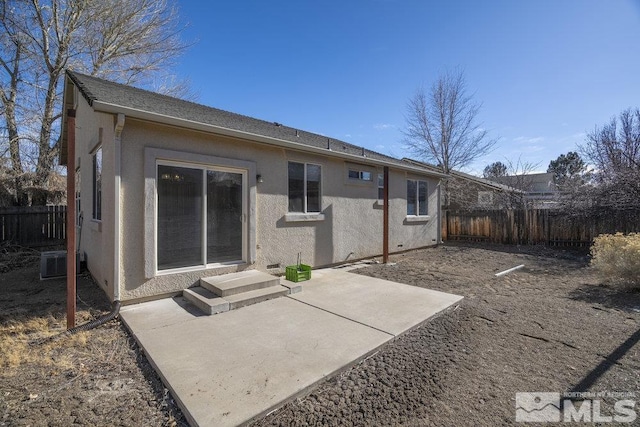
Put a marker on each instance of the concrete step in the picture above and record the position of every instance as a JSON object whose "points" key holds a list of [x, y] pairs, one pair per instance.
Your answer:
{"points": [[236, 283], [294, 288], [255, 296], [206, 300]]}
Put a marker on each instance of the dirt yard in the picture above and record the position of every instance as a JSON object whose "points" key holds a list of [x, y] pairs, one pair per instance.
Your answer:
{"points": [[95, 378], [553, 326]]}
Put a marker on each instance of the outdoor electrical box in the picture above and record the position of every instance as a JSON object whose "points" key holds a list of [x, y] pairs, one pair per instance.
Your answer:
{"points": [[53, 264]]}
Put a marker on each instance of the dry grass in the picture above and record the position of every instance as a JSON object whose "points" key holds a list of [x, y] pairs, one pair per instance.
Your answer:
{"points": [[13, 257], [90, 378], [17, 338]]}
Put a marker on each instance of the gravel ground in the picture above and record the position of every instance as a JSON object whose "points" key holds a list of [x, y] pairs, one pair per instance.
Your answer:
{"points": [[552, 326]]}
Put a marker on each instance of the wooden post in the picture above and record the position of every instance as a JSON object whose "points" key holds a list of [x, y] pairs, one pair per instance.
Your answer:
{"points": [[71, 218], [385, 217]]}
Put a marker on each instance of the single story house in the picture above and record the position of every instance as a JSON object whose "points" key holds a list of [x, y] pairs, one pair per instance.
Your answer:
{"points": [[469, 192], [169, 191], [541, 190]]}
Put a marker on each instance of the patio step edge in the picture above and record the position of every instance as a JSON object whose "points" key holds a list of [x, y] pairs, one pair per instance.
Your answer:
{"points": [[206, 300], [256, 296], [237, 283]]}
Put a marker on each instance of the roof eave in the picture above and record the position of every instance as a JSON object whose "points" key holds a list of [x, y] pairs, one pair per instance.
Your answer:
{"points": [[209, 128]]}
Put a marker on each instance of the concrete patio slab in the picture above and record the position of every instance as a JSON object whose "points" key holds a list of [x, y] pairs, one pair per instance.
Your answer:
{"points": [[230, 368], [388, 306]]}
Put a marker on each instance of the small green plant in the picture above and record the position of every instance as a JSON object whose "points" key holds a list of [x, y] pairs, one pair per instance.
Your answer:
{"points": [[617, 256]]}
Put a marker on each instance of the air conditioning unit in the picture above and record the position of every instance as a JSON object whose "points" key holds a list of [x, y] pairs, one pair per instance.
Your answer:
{"points": [[53, 264]]}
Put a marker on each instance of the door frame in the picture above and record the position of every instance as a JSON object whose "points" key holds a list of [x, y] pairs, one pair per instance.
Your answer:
{"points": [[154, 157]]}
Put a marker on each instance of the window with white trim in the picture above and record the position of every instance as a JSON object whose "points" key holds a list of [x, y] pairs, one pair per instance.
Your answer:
{"points": [[417, 197], [304, 187], [200, 215], [78, 199], [97, 184], [360, 175], [485, 198], [381, 187]]}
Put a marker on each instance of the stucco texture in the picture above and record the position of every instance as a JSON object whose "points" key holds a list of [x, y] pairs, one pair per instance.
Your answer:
{"points": [[351, 226]]}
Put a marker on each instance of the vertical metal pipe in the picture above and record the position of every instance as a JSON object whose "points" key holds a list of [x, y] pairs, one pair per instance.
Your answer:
{"points": [[71, 218], [117, 146], [385, 217], [440, 223]]}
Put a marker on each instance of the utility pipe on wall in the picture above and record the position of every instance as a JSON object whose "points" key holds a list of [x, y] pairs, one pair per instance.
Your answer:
{"points": [[439, 229], [385, 217], [117, 143], [71, 219]]}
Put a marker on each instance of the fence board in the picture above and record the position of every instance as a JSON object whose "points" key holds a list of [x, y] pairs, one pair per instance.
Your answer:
{"points": [[33, 226], [535, 226]]}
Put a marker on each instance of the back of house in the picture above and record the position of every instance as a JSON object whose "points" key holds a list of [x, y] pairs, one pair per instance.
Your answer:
{"points": [[169, 191]]}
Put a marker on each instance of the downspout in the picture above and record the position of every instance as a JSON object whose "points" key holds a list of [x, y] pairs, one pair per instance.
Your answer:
{"points": [[385, 217], [117, 148], [439, 232]]}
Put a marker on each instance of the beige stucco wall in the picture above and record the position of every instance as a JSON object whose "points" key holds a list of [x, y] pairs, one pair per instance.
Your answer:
{"points": [[351, 228], [95, 237]]}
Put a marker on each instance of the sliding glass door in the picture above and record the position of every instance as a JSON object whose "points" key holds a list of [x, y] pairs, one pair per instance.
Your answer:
{"points": [[200, 216]]}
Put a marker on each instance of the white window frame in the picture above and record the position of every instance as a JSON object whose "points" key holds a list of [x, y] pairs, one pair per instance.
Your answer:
{"points": [[485, 198], [417, 214], [96, 211], [203, 241], [361, 175], [78, 199], [151, 156], [306, 196], [380, 186]]}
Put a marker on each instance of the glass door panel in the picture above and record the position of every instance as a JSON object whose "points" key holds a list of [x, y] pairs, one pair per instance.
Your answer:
{"points": [[224, 216], [179, 217]]}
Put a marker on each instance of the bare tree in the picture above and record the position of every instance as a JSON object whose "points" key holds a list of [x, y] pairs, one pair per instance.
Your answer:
{"points": [[614, 148], [614, 152], [125, 40], [441, 124], [518, 177]]}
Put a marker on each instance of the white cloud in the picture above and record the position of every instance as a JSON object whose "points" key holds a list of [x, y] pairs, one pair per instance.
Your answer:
{"points": [[528, 139], [383, 126], [571, 142]]}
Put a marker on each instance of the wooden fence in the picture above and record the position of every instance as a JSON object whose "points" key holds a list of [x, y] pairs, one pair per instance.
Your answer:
{"points": [[535, 226], [33, 226]]}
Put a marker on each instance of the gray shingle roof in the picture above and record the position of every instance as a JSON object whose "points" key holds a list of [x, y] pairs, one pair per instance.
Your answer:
{"points": [[462, 175], [95, 89]]}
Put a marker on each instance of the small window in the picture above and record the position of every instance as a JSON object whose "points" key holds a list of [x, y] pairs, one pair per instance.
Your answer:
{"points": [[381, 186], [304, 187], [417, 198], [485, 198], [78, 204], [97, 184], [360, 175]]}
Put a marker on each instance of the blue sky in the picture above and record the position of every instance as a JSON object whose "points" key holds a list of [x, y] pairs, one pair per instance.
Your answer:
{"points": [[546, 71]]}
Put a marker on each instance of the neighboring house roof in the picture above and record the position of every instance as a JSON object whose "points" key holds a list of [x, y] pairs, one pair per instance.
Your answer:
{"points": [[482, 181], [534, 182], [110, 97]]}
